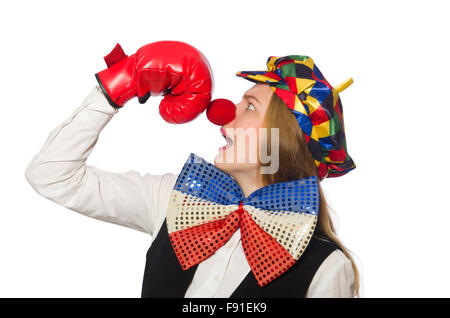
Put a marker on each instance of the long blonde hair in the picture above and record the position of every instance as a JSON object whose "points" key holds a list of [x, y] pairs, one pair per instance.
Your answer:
{"points": [[296, 161]]}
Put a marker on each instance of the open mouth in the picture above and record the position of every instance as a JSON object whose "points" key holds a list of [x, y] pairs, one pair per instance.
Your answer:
{"points": [[227, 139]]}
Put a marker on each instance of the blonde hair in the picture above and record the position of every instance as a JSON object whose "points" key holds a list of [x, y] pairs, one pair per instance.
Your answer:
{"points": [[296, 161]]}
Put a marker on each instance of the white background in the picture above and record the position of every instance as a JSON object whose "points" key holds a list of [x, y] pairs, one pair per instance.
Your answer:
{"points": [[392, 209]]}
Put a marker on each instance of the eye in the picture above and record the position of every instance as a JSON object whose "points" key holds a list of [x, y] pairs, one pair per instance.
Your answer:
{"points": [[251, 106]]}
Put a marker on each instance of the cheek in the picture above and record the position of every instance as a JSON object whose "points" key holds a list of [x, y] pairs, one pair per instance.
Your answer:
{"points": [[247, 120], [248, 128]]}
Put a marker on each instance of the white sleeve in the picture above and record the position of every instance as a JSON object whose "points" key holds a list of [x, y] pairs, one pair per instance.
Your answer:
{"points": [[334, 278], [59, 173]]}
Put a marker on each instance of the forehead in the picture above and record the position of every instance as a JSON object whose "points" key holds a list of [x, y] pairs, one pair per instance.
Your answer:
{"points": [[259, 89]]}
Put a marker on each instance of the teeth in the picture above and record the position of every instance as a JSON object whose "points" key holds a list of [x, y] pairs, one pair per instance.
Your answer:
{"points": [[228, 140]]}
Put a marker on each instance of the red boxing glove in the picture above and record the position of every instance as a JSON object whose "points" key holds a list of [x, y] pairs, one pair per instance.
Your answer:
{"points": [[173, 69]]}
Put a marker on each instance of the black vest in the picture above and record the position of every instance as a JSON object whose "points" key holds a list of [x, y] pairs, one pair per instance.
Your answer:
{"points": [[164, 277]]}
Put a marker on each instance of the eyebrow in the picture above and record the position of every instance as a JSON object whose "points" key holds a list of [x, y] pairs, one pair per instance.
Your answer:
{"points": [[248, 96]]}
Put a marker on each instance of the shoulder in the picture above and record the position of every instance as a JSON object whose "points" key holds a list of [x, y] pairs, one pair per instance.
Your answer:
{"points": [[159, 189], [160, 184], [334, 277], [169, 180], [336, 261]]}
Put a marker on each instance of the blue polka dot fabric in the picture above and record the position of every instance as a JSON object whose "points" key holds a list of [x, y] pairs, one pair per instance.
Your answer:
{"points": [[204, 180]]}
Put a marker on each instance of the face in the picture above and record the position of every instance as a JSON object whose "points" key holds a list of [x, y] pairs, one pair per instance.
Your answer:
{"points": [[242, 134]]}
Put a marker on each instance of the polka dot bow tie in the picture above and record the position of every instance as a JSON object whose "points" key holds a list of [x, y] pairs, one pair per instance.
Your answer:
{"points": [[276, 221]]}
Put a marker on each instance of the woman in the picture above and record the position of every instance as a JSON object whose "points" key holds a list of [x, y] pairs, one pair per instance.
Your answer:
{"points": [[232, 191]]}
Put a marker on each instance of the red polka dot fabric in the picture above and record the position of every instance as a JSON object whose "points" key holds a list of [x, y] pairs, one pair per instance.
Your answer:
{"points": [[197, 243], [266, 257]]}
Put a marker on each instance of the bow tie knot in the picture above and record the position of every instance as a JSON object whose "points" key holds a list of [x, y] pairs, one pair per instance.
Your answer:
{"points": [[240, 209]]}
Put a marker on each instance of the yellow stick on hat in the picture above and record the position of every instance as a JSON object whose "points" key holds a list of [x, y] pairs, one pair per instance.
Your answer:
{"points": [[344, 85]]}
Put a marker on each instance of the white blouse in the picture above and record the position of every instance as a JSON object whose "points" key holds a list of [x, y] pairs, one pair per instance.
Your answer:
{"points": [[59, 173]]}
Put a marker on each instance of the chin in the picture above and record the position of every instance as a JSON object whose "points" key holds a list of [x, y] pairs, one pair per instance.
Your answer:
{"points": [[221, 164]]}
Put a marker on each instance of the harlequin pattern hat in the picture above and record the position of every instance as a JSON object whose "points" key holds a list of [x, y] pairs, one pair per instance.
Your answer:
{"points": [[316, 106]]}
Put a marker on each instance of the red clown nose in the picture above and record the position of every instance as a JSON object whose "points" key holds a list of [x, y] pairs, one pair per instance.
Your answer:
{"points": [[221, 111]]}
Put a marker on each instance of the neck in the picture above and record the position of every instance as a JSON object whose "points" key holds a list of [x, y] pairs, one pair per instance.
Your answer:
{"points": [[248, 180]]}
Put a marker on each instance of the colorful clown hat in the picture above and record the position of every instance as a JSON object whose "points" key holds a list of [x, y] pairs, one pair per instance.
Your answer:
{"points": [[316, 106]]}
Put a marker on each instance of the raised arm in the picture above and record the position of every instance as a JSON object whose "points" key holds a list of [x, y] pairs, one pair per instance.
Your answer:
{"points": [[59, 173]]}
